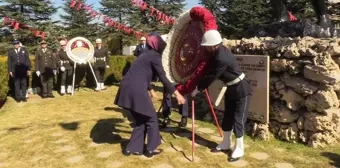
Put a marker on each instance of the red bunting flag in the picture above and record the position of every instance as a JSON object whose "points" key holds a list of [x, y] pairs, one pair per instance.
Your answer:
{"points": [[13, 22], [105, 19], [16, 27], [143, 6], [159, 15], [87, 7], [37, 33], [79, 6], [43, 35], [152, 11], [73, 3], [100, 15], [6, 20]]}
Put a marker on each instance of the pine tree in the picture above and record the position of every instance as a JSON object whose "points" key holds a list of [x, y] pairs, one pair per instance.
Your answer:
{"points": [[234, 17], [123, 11], [32, 13], [120, 11], [78, 23]]}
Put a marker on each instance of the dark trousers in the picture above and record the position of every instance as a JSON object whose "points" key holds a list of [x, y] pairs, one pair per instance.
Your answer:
{"points": [[100, 73], [20, 83], [66, 77], [144, 125], [47, 83], [167, 106], [235, 115]]}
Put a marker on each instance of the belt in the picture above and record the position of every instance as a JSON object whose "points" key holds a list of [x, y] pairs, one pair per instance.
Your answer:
{"points": [[103, 58], [237, 80], [65, 62]]}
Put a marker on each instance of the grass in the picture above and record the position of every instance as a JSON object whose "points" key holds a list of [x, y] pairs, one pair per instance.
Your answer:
{"points": [[87, 131]]}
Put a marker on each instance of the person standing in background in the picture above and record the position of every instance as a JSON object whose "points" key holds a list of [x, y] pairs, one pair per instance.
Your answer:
{"points": [[66, 69], [45, 66], [19, 67], [101, 62], [141, 47]]}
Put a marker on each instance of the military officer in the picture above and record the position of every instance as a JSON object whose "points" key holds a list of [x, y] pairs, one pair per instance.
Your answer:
{"points": [[101, 61], [142, 47], [19, 67], [237, 96], [45, 66], [65, 65]]}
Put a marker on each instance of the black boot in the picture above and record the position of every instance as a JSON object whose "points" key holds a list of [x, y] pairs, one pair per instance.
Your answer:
{"points": [[150, 154], [183, 122], [165, 122]]}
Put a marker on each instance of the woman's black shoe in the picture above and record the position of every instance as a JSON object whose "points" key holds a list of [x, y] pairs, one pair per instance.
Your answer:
{"points": [[126, 153], [150, 154]]}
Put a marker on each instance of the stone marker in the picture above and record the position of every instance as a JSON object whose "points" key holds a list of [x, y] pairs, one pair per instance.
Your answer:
{"points": [[256, 68]]}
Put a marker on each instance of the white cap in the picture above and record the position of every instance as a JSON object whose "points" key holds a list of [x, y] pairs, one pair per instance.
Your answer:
{"points": [[99, 41], [143, 39], [211, 38], [62, 42]]}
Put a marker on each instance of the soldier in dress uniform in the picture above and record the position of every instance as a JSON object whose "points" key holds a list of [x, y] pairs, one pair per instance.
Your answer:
{"points": [[65, 65], [101, 61], [45, 66], [237, 95], [141, 47], [19, 67]]}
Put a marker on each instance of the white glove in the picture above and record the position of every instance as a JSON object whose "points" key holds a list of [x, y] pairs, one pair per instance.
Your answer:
{"points": [[38, 73], [194, 93], [55, 72], [62, 68], [107, 66]]}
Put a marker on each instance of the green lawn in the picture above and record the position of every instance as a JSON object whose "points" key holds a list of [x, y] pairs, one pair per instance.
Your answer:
{"points": [[87, 131]]}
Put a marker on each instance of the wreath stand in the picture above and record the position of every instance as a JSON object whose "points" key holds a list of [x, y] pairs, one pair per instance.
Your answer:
{"points": [[193, 120], [74, 74]]}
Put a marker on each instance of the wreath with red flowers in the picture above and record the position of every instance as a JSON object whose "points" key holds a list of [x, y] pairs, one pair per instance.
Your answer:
{"points": [[184, 60]]}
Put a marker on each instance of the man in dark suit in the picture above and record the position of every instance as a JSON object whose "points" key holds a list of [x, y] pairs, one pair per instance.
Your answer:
{"points": [[167, 108], [19, 67], [45, 66], [142, 47], [225, 67], [101, 62]]}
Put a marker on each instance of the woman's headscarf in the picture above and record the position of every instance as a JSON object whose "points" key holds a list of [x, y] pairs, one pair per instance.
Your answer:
{"points": [[155, 41]]}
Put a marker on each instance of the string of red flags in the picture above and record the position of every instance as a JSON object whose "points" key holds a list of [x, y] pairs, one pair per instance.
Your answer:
{"points": [[16, 25], [105, 19], [160, 16]]}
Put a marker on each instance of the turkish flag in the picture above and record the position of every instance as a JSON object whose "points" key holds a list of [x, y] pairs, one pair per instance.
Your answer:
{"points": [[6, 20], [73, 3], [16, 27]]}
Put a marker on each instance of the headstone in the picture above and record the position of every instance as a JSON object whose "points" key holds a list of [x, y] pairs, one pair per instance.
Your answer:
{"points": [[256, 69]]}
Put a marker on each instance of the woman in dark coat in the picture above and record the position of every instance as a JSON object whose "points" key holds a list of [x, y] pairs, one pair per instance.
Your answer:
{"points": [[133, 96]]}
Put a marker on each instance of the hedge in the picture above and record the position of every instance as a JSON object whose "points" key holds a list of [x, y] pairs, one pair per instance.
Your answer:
{"points": [[118, 66]]}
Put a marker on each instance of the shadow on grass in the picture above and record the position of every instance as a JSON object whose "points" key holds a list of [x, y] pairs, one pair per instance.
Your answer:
{"points": [[181, 132], [124, 112], [70, 126], [334, 157], [105, 132]]}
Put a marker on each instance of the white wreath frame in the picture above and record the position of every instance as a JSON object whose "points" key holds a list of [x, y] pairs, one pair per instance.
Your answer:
{"points": [[75, 58]]}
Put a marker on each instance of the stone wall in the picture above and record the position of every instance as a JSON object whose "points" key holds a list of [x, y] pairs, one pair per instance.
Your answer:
{"points": [[304, 88]]}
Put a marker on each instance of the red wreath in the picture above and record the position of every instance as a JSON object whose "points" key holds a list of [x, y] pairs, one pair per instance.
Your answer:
{"points": [[209, 21]]}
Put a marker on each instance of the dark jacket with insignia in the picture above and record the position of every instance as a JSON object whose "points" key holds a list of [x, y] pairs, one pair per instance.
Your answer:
{"points": [[101, 57], [18, 63], [225, 68], [140, 49], [45, 62], [63, 60]]}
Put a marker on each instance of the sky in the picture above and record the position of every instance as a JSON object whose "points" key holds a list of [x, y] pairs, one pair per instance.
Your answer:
{"points": [[190, 4]]}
